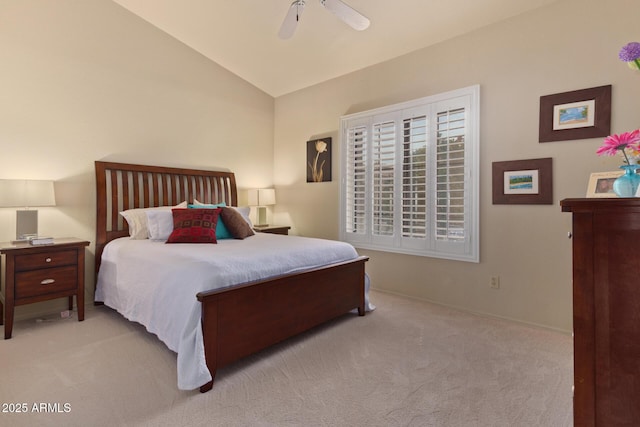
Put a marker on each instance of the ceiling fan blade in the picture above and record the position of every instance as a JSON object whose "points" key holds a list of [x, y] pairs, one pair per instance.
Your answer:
{"points": [[348, 14], [290, 22]]}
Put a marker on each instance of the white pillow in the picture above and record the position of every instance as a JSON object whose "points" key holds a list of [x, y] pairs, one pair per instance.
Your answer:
{"points": [[160, 224], [197, 203], [244, 211], [137, 220]]}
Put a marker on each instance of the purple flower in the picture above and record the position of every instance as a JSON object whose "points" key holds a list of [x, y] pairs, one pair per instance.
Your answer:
{"points": [[630, 52]]}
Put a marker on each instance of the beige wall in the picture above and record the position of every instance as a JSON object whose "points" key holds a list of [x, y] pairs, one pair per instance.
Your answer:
{"points": [[85, 80], [566, 46]]}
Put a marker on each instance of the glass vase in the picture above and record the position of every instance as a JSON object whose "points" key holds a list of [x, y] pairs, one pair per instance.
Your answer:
{"points": [[627, 184]]}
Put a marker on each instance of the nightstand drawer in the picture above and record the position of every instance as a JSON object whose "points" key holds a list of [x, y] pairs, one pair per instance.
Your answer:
{"points": [[46, 260], [46, 281]]}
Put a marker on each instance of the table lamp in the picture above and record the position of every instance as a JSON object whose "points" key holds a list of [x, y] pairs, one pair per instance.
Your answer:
{"points": [[260, 198], [26, 193]]}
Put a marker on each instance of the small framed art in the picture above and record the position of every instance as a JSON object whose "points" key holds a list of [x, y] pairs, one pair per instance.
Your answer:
{"points": [[601, 184], [319, 160], [579, 114], [522, 182]]}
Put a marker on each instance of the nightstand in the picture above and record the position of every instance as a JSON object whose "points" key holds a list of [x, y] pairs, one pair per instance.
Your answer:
{"points": [[35, 273], [273, 229]]}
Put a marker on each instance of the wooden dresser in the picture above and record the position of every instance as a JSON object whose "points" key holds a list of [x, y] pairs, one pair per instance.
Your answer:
{"points": [[606, 310]]}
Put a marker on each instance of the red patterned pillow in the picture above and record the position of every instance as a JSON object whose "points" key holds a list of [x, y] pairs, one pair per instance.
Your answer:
{"points": [[194, 225]]}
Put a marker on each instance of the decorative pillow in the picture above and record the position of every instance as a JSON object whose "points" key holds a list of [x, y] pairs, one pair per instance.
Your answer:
{"points": [[160, 224], [235, 223], [194, 225], [222, 232], [196, 205], [244, 211], [137, 220]]}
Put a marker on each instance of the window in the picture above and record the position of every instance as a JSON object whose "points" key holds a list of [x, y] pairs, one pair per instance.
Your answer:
{"points": [[410, 177]]}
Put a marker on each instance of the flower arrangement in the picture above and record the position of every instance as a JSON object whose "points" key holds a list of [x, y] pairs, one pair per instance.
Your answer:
{"points": [[630, 53], [628, 143]]}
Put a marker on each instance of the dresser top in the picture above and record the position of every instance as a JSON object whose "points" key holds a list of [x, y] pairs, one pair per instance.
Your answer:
{"points": [[600, 204]]}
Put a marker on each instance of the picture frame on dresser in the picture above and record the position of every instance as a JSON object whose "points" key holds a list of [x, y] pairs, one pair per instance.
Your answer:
{"points": [[601, 184]]}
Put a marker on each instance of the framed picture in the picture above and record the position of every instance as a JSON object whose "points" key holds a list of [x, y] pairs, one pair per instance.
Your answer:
{"points": [[522, 182], [601, 184], [319, 160], [580, 114]]}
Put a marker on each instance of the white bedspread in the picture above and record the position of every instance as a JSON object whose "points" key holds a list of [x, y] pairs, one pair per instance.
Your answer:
{"points": [[155, 284]]}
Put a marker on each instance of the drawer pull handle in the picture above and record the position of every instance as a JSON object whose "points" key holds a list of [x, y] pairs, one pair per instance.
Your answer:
{"points": [[48, 260], [47, 281]]}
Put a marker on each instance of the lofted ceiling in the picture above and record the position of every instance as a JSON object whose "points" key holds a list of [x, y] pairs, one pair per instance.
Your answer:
{"points": [[242, 35]]}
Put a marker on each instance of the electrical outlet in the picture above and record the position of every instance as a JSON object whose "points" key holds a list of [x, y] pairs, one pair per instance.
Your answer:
{"points": [[495, 282]]}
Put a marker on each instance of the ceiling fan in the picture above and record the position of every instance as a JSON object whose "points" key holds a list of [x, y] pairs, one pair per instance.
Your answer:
{"points": [[339, 8]]}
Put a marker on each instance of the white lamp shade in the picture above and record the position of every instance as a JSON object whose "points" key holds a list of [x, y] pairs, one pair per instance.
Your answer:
{"points": [[262, 197], [26, 193]]}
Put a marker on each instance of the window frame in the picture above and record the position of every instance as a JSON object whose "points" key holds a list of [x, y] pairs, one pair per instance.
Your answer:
{"points": [[467, 249]]}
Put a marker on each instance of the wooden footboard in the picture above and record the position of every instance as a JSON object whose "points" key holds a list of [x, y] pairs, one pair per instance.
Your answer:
{"points": [[242, 320]]}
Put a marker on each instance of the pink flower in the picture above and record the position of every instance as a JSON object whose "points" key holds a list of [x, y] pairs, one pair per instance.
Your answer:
{"points": [[613, 143]]}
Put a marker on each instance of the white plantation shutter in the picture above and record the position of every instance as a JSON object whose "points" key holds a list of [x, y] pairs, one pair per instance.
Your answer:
{"points": [[414, 177], [410, 177], [383, 166], [356, 196], [450, 173]]}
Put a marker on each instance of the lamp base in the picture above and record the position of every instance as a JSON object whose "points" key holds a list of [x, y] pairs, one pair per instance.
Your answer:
{"points": [[261, 217], [26, 224]]}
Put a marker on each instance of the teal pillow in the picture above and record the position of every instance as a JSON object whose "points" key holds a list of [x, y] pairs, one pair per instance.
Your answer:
{"points": [[222, 232]]}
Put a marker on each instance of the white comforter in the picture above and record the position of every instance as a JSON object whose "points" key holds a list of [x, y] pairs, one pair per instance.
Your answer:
{"points": [[155, 284]]}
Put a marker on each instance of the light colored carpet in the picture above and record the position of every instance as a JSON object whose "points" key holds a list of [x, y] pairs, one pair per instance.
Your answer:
{"points": [[409, 363]]}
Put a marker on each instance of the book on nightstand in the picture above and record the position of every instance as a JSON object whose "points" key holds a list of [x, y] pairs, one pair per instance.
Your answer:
{"points": [[41, 241]]}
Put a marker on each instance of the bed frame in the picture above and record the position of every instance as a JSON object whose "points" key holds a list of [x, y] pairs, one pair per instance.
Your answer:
{"points": [[246, 318]]}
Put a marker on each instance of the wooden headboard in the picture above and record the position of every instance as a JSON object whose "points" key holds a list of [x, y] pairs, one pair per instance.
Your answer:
{"points": [[121, 186]]}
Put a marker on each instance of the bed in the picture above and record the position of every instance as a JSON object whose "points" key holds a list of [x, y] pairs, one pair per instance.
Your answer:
{"points": [[247, 310]]}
